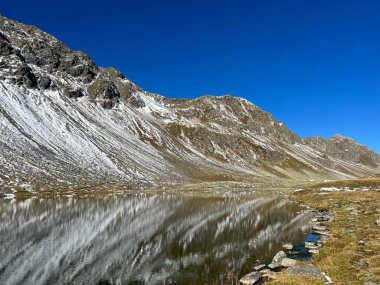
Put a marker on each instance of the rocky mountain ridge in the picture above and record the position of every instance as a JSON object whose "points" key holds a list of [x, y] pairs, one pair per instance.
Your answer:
{"points": [[66, 121]]}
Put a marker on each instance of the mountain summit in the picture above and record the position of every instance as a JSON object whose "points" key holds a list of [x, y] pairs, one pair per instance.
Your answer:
{"points": [[65, 121]]}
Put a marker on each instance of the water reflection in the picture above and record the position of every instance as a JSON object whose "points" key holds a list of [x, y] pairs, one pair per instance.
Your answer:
{"points": [[142, 238]]}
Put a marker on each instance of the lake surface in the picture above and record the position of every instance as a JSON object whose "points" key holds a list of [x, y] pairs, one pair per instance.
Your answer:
{"points": [[144, 238]]}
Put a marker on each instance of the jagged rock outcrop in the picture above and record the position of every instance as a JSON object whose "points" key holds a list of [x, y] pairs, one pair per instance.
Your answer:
{"points": [[346, 149], [65, 120]]}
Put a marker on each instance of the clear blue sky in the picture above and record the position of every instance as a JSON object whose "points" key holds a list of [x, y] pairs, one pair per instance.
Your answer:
{"points": [[315, 65]]}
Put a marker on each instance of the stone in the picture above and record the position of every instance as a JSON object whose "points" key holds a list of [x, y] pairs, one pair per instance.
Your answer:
{"points": [[288, 262], [250, 278], [369, 283], [26, 76], [325, 217], [259, 267], [378, 222], [320, 228], [310, 245], [44, 82], [308, 270], [287, 246], [363, 262], [314, 251], [270, 275], [361, 242], [276, 261], [323, 233]]}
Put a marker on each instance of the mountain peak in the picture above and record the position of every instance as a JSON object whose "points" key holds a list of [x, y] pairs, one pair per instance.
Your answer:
{"points": [[64, 120], [339, 137]]}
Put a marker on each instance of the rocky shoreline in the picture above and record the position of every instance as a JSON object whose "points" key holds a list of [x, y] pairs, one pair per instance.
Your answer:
{"points": [[283, 264]]}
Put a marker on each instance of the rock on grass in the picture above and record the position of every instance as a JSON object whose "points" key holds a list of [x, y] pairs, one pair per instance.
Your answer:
{"points": [[250, 278], [308, 270]]}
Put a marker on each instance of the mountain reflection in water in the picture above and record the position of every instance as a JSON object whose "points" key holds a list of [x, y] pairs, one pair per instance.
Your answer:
{"points": [[144, 238]]}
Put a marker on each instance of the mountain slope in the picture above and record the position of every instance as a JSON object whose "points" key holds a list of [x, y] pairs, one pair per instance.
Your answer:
{"points": [[64, 120]]}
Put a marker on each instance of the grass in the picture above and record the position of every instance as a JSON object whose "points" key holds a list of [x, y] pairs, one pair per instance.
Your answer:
{"points": [[343, 258]]}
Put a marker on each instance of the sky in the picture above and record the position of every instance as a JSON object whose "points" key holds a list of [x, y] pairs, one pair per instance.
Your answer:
{"points": [[315, 65]]}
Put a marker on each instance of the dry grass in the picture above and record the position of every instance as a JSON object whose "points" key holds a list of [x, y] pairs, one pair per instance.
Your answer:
{"points": [[355, 214]]}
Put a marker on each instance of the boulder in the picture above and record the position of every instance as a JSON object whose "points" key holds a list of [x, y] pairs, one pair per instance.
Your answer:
{"points": [[288, 262], [44, 82], [276, 261], [25, 76], [308, 270], [270, 275], [287, 246], [250, 278]]}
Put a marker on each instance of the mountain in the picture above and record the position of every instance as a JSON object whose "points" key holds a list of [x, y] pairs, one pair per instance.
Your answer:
{"points": [[65, 122]]}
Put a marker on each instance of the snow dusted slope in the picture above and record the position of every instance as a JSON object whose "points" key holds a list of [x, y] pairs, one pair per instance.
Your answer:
{"points": [[65, 120]]}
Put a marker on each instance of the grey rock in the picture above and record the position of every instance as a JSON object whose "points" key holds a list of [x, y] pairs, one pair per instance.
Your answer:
{"points": [[276, 261], [287, 246], [288, 262], [24, 75], [77, 93], [136, 102], [305, 271], [250, 278], [270, 275], [311, 245], [320, 228], [108, 104], [314, 251], [259, 267], [44, 82], [370, 283], [323, 233], [107, 90], [344, 148], [5, 47]]}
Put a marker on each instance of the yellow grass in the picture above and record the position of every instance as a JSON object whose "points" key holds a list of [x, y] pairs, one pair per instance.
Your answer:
{"points": [[355, 214]]}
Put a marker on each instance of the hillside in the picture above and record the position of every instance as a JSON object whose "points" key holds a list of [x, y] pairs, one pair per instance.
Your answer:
{"points": [[65, 121]]}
